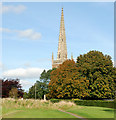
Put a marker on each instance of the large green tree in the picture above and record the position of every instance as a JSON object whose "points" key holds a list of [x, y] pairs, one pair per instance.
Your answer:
{"points": [[67, 82], [99, 70], [91, 77]]}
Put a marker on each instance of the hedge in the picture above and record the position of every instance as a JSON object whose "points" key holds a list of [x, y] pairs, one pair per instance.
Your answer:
{"points": [[56, 100], [98, 103]]}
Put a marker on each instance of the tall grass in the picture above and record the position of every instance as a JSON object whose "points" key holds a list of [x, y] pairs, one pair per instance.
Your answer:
{"points": [[64, 105], [31, 103]]}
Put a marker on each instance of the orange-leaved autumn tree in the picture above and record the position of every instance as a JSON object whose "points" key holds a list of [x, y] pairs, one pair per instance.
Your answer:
{"points": [[67, 82]]}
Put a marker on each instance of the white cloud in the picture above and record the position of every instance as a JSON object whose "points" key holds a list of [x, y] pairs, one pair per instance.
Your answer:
{"points": [[13, 9], [21, 73], [5, 30], [25, 34], [30, 34], [26, 83]]}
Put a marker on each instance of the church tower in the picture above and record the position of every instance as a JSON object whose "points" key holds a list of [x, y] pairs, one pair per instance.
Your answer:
{"points": [[62, 47]]}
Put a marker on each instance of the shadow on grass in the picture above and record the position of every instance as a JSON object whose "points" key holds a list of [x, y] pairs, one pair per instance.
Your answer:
{"points": [[109, 110]]}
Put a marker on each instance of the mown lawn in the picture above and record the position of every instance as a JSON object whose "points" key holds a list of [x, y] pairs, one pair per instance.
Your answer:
{"points": [[37, 113], [84, 111], [92, 112]]}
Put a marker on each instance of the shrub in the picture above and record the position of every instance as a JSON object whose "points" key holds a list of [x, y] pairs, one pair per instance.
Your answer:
{"points": [[99, 103], [55, 100], [64, 104], [13, 93]]}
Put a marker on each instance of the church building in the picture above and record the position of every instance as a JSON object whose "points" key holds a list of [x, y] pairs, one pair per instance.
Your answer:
{"points": [[62, 47]]}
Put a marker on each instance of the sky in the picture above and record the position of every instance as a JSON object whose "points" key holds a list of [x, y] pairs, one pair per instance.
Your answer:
{"points": [[30, 33]]}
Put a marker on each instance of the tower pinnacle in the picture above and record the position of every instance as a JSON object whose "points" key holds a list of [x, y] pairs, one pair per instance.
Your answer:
{"points": [[71, 56]]}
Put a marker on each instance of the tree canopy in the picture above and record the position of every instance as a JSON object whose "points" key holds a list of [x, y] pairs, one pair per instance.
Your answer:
{"points": [[99, 70], [67, 82], [8, 84], [91, 77], [41, 86]]}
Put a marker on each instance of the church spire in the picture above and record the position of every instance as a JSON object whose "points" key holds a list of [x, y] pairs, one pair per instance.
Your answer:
{"points": [[62, 47]]}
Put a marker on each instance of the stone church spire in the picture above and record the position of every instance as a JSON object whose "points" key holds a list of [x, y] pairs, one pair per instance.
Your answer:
{"points": [[62, 47]]}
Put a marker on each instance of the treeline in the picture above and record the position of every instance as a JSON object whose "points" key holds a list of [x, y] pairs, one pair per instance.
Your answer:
{"points": [[92, 76]]}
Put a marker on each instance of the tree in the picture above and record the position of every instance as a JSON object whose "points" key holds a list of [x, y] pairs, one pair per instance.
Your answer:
{"points": [[99, 70], [67, 82], [13, 93], [8, 84], [91, 77], [25, 95], [41, 86]]}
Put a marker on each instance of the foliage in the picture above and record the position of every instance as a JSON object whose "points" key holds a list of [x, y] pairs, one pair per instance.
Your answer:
{"points": [[91, 77], [98, 103], [25, 95], [13, 93], [40, 90], [45, 76], [8, 84], [66, 82], [99, 70], [55, 100], [41, 86]]}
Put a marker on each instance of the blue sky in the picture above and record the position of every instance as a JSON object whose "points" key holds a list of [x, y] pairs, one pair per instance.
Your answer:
{"points": [[31, 30]]}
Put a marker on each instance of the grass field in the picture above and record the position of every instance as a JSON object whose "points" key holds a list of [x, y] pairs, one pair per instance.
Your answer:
{"points": [[92, 112], [40, 109], [37, 113]]}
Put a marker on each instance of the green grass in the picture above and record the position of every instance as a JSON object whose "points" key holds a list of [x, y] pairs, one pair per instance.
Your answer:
{"points": [[31, 109], [92, 112], [40, 109], [0, 110], [38, 113]]}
